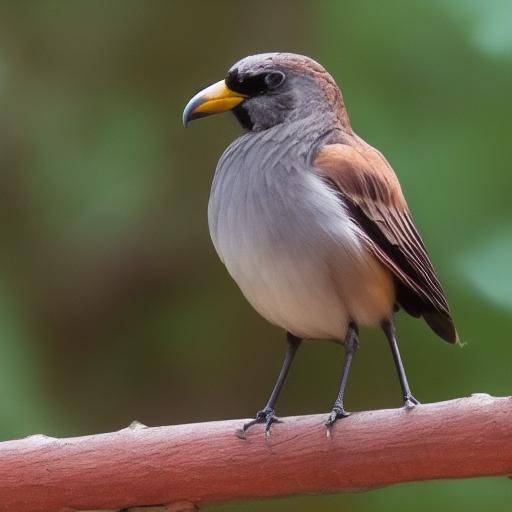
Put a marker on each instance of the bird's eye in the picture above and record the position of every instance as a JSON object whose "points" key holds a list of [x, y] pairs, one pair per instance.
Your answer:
{"points": [[254, 85], [274, 80]]}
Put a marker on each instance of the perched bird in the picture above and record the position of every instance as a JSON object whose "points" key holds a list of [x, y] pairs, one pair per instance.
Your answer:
{"points": [[310, 220]]}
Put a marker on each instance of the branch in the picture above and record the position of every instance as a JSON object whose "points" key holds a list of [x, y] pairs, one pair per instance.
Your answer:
{"points": [[206, 463]]}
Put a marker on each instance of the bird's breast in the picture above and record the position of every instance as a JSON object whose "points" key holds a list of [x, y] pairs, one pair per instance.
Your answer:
{"points": [[287, 240]]}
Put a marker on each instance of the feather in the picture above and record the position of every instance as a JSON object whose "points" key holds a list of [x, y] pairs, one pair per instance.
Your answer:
{"points": [[370, 188]]}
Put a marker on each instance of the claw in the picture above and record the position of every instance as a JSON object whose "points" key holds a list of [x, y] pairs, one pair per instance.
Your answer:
{"points": [[410, 402], [266, 416], [336, 414], [271, 419]]}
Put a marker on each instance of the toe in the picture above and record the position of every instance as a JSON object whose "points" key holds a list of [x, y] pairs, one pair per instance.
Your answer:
{"points": [[265, 416], [249, 424], [330, 421], [335, 415], [410, 402], [271, 419]]}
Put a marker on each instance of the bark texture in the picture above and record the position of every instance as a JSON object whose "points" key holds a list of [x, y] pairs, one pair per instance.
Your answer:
{"points": [[186, 466]]}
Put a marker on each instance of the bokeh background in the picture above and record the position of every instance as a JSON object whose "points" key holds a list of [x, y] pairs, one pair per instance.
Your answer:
{"points": [[113, 303]]}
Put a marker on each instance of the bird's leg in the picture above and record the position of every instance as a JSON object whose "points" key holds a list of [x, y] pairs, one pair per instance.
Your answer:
{"points": [[389, 329], [351, 346], [267, 415]]}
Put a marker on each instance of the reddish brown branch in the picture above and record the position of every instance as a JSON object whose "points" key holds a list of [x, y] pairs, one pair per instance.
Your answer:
{"points": [[206, 463]]}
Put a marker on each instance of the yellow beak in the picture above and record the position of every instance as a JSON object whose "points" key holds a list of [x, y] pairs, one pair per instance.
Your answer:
{"points": [[214, 99]]}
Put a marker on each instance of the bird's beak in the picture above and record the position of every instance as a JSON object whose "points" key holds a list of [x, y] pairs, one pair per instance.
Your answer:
{"points": [[214, 99]]}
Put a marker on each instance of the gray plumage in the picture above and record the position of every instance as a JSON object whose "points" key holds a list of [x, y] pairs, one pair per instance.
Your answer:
{"points": [[286, 237]]}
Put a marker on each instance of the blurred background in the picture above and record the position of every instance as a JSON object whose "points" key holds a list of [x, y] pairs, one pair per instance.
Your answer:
{"points": [[113, 303]]}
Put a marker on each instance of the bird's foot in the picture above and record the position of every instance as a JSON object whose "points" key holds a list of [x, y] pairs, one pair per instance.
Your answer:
{"points": [[266, 416], [336, 414], [410, 402]]}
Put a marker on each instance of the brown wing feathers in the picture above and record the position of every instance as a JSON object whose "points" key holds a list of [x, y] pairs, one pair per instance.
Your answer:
{"points": [[373, 194]]}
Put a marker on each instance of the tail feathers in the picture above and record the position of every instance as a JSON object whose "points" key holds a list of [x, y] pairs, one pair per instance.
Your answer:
{"points": [[442, 325]]}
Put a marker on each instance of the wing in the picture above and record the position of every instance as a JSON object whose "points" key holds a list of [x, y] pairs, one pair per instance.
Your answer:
{"points": [[375, 200]]}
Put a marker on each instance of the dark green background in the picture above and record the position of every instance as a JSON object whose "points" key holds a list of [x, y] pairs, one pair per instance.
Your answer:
{"points": [[113, 304]]}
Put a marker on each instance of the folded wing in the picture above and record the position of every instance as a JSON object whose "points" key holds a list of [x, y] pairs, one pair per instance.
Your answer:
{"points": [[370, 188]]}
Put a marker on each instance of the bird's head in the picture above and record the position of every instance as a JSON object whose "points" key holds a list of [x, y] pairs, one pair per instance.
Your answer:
{"points": [[269, 89]]}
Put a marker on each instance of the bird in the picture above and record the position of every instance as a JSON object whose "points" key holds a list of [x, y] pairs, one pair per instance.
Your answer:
{"points": [[311, 221]]}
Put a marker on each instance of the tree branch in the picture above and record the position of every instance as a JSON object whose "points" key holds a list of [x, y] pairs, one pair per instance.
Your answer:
{"points": [[206, 463]]}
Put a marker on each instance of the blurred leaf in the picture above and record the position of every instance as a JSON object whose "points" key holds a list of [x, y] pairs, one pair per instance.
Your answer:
{"points": [[487, 266], [491, 22], [23, 406]]}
